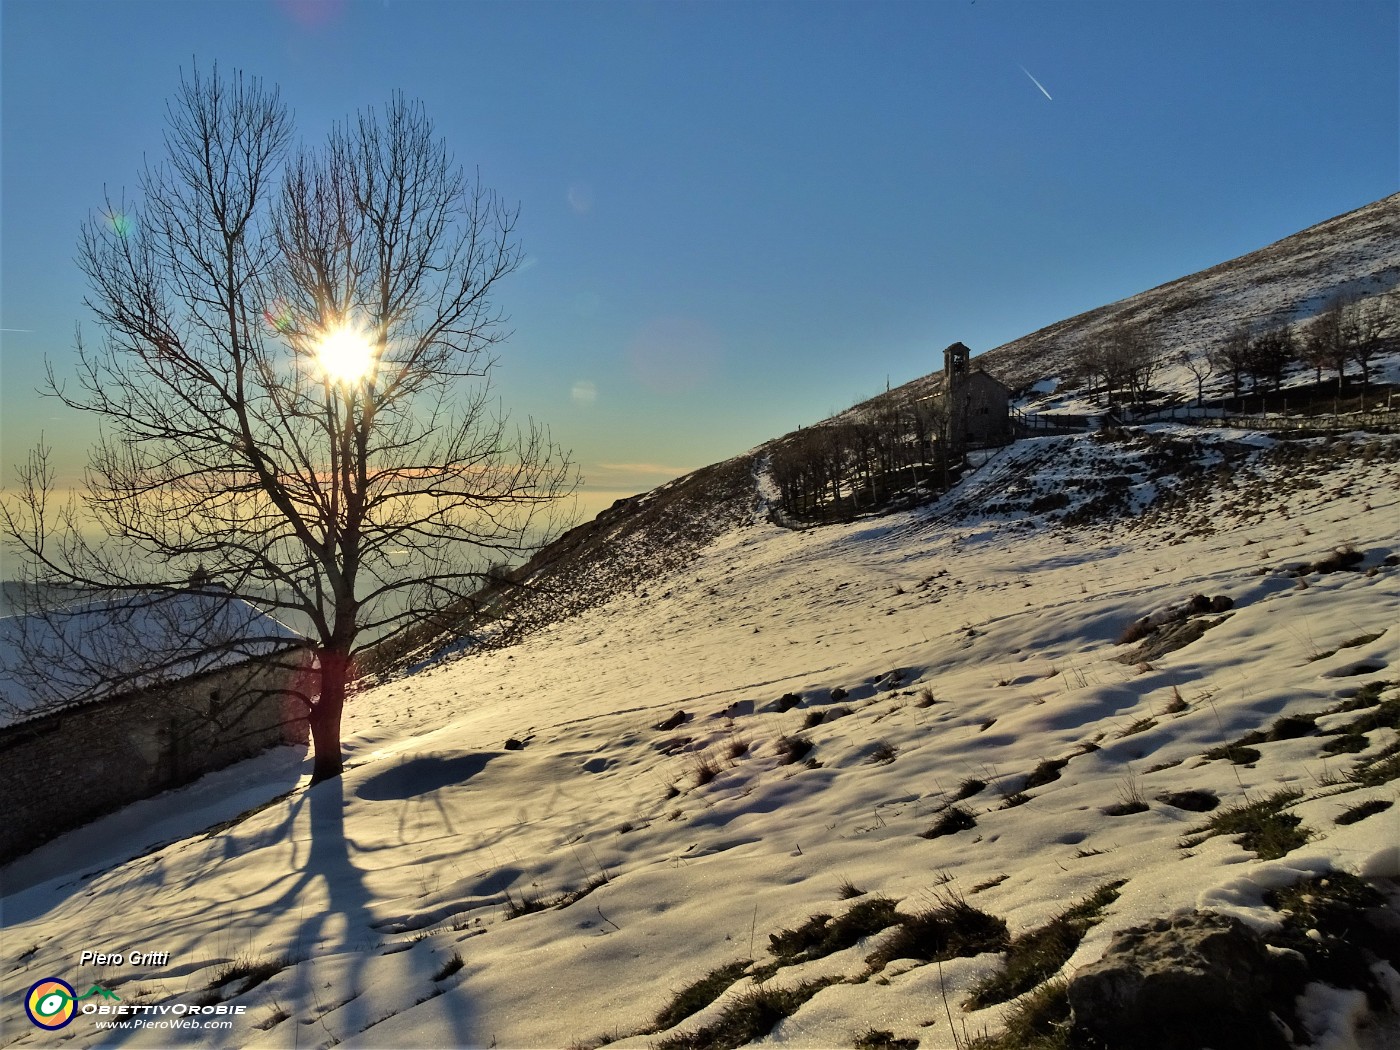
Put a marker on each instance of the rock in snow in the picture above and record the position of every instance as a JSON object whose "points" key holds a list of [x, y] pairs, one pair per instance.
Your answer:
{"points": [[1197, 980]]}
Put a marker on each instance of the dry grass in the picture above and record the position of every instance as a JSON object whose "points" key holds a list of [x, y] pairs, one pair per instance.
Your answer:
{"points": [[1037, 955], [952, 820], [821, 935], [949, 930], [748, 1017], [1261, 826], [695, 997], [450, 967]]}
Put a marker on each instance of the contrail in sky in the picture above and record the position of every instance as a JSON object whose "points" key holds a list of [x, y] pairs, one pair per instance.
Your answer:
{"points": [[1037, 83]]}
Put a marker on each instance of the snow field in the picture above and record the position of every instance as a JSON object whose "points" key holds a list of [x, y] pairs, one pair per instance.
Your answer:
{"points": [[371, 885]]}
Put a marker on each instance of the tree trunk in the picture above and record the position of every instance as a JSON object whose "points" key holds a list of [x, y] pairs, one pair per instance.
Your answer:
{"points": [[325, 716]]}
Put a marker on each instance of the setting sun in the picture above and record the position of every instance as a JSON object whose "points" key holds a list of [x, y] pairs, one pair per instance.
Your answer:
{"points": [[345, 355]]}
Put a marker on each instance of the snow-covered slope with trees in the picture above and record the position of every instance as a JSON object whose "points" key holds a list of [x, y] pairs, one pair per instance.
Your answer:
{"points": [[633, 774]]}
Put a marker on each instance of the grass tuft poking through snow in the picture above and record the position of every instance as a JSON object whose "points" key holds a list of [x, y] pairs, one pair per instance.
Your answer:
{"points": [[952, 820], [251, 972], [1329, 921], [1381, 769], [274, 1018], [1047, 772], [793, 748], [969, 787], [883, 753], [883, 1039], [949, 930], [703, 767], [1037, 955], [1040, 1021], [1261, 825], [821, 935], [750, 1016], [1362, 810], [525, 904], [450, 967], [695, 997]]}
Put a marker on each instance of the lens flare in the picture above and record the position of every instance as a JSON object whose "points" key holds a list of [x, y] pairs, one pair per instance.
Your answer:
{"points": [[675, 355], [345, 355], [278, 316], [313, 14]]}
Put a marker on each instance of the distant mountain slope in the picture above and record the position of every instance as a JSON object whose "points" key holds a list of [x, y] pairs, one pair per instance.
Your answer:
{"points": [[1287, 281], [649, 536]]}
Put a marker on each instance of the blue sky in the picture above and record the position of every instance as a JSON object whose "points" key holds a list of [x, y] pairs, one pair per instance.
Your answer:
{"points": [[739, 217]]}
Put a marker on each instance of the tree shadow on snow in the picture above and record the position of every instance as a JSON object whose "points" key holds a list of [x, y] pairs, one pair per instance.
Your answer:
{"points": [[344, 925], [421, 775]]}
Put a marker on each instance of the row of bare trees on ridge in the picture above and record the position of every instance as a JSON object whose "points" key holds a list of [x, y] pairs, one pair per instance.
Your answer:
{"points": [[858, 461], [1121, 363]]}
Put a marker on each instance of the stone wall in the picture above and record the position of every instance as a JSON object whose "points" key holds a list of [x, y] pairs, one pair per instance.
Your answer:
{"points": [[62, 770], [985, 413]]}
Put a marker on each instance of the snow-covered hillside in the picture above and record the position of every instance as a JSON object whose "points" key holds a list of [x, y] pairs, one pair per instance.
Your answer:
{"points": [[631, 784], [1287, 282]]}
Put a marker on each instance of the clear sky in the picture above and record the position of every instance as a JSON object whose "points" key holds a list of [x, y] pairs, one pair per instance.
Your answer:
{"points": [[739, 217]]}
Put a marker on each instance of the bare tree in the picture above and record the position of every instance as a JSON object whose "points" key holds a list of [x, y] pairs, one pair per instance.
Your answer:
{"points": [[1327, 344], [1232, 356], [1348, 329], [1200, 366], [293, 385], [1366, 323], [1133, 355], [1094, 361], [1314, 350], [1270, 353]]}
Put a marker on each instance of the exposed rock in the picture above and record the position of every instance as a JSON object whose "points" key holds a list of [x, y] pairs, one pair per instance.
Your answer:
{"points": [[1169, 639], [677, 719], [786, 702], [1201, 980], [1194, 801], [888, 681], [737, 709]]}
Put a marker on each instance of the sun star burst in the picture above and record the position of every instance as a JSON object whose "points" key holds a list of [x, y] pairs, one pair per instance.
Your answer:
{"points": [[345, 355]]}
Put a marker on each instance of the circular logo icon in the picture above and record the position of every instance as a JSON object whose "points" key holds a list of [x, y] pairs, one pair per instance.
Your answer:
{"points": [[50, 1003]]}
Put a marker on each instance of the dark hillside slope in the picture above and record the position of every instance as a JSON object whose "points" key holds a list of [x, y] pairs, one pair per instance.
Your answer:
{"points": [[634, 541]]}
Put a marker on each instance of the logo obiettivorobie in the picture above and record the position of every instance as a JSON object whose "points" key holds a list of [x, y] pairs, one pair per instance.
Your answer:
{"points": [[52, 1003]]}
